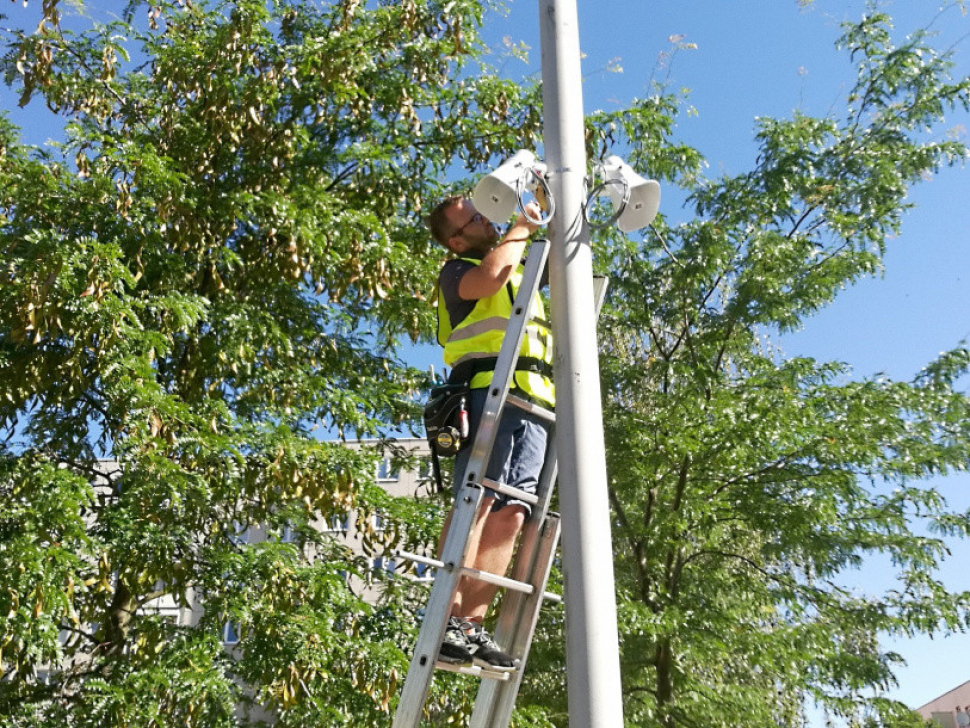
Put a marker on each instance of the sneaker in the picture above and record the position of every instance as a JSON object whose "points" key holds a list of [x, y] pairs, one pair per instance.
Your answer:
{"points": [[454, 649], [484, 650]]}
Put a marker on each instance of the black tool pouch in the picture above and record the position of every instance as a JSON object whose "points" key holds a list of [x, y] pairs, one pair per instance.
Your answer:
{"points": [[446, 419]]}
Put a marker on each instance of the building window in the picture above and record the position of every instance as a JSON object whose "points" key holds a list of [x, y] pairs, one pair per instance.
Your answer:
{"points": [[423, 572], [382, 563], [238, 534], [385, 471], [230, 633], [425, 469], [337, 524]]}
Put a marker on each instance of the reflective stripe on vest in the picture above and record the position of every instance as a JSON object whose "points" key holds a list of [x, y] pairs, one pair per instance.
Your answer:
{"points": [[480, 335]]}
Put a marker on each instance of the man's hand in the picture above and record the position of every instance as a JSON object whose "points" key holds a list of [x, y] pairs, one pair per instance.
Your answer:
{"points": [[523, 227], [534, 212]]}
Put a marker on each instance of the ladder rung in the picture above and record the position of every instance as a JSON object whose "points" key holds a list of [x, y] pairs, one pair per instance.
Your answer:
{"points": [[417, 558], [541, 412], [501, 581], [509, 490], [488, 578], [475, 670]]}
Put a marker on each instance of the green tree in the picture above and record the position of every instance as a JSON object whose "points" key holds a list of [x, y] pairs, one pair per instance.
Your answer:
{"points": [[222, 254], [748, 485]]}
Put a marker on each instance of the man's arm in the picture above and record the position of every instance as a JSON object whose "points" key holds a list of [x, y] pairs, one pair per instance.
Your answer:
{"points": [[498, 265]]}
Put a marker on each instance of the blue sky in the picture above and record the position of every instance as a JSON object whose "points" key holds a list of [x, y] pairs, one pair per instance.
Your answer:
{"points": [[768, 58]]}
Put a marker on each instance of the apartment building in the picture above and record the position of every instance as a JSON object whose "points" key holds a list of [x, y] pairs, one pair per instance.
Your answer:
{"points": [[945, 710]]}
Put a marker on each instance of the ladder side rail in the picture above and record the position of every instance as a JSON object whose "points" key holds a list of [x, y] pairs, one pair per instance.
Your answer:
{"points": [[496, 701], [435, 622], [507, 357]]}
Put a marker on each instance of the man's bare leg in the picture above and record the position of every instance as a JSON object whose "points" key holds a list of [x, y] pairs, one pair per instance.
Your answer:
{"points": [[490, 549], [495, 547]]}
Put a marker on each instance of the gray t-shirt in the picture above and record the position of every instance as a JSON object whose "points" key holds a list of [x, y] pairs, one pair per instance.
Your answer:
{"points": [[448, 281]]}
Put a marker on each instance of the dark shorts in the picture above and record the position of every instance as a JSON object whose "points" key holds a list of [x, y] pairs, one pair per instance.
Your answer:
{"points": [[518, 454]]}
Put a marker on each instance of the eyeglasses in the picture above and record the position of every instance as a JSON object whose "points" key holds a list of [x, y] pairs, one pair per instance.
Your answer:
{"points": [[477, 217]]}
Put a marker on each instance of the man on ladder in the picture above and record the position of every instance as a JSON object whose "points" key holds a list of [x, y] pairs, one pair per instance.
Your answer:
{"points": [[476, 294]]}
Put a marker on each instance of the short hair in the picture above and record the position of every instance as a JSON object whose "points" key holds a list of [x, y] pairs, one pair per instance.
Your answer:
{"points": [[438, 223]]}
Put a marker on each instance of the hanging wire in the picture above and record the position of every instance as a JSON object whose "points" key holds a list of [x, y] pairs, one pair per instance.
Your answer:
{"points": [[533, 179]]}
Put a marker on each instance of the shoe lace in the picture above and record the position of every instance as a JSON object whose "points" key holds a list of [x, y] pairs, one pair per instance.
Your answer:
{"points": [[478, 635]]}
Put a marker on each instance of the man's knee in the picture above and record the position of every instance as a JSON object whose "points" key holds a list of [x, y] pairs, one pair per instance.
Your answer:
{"points": [[506, 522]]}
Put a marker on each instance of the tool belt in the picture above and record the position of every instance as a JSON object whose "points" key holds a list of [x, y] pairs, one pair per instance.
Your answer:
{"points": [[446, 412], [466, 371]]}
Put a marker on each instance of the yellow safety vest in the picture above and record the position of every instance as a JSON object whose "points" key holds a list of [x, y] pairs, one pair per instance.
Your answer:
{"points": [[479, 337]]}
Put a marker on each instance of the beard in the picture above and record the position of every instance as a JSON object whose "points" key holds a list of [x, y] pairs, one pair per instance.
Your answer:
{"points": [[484, 241]]}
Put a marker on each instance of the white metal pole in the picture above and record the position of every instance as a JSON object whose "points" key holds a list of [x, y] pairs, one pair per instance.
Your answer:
{"points": [[592, 649]]}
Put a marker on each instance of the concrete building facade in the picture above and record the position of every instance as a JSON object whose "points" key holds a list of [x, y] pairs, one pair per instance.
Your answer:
{"points": [[946, 710]]}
